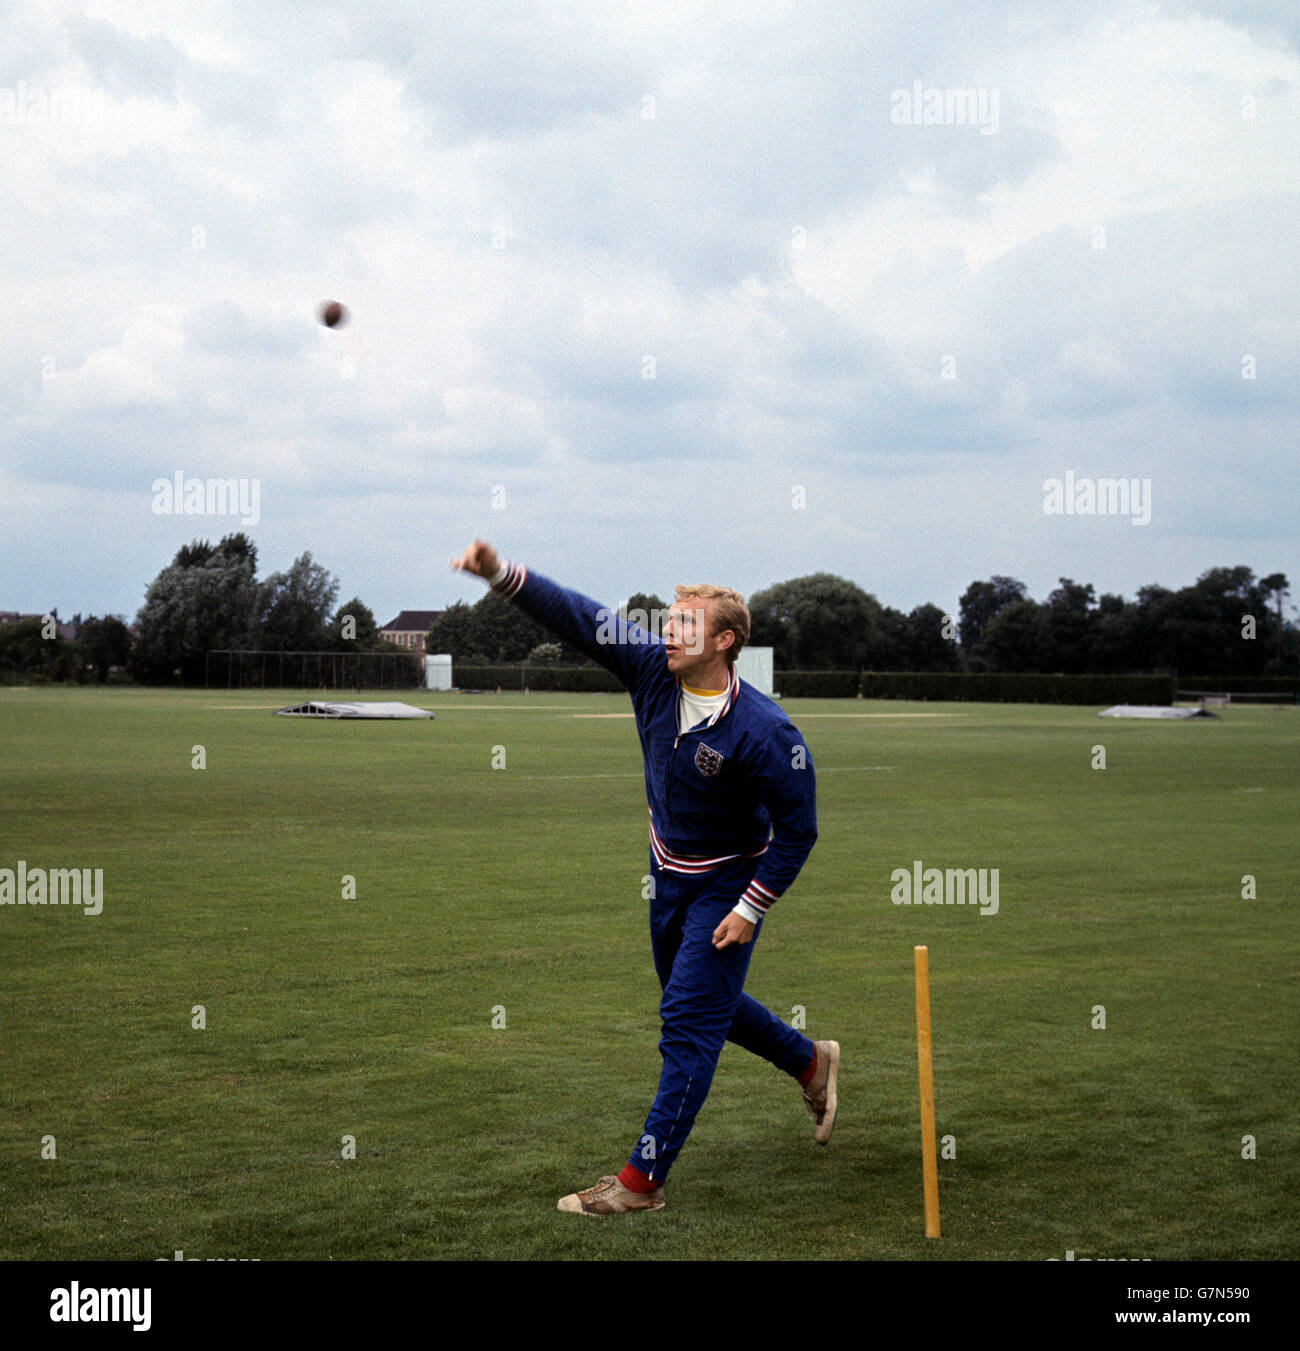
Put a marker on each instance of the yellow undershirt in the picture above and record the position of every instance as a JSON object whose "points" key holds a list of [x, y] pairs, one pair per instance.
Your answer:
{"points": [[698, 706]]}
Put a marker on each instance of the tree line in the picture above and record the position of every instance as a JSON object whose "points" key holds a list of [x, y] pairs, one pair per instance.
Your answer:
{"points": [[209, 597], [1226, 623]]}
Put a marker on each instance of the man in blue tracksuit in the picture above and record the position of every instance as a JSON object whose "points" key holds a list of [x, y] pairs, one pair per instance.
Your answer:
{"points": [[733, 816]]}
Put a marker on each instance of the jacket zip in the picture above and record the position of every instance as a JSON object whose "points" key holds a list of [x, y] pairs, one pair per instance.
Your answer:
{"points": [[668, 782]]}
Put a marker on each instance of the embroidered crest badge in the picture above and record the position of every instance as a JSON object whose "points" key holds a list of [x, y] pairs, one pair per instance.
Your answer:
{"points": [[707, 761]]}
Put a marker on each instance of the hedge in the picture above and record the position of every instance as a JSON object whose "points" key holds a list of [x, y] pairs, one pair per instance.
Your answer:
{"points": [[816, 684], [576, 679], [922, 685], [1222, 684], [1018, 689]]}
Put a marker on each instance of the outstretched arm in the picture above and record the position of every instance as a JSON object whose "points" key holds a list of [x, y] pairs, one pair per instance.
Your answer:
{"points": [[624, 649]]}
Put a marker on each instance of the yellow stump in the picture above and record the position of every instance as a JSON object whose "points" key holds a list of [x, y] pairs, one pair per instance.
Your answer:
{"points": [[925, 1070]]}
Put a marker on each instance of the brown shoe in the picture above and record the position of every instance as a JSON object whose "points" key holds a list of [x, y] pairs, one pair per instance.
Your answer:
{"points": [[610, 1197], [819, 1093]]}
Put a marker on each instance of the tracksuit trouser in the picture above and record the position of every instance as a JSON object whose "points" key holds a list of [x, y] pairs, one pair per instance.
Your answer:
{"points": [[704, 1004]]}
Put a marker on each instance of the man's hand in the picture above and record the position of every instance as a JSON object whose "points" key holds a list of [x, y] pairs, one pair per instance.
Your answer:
{"points": [[480, 559], [733, 929]]}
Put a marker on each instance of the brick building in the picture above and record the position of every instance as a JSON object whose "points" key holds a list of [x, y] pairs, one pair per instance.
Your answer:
{"points": [[409, 628]]}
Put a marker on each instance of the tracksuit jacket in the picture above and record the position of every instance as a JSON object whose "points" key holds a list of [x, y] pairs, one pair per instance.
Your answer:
{"points": [[716, 792]]}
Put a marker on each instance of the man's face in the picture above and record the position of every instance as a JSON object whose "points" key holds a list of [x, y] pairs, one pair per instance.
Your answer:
{"points": [[688, 636]]}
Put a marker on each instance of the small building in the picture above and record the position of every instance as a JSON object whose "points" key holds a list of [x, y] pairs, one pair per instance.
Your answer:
{"points": [[437, 671], [409, 629]]}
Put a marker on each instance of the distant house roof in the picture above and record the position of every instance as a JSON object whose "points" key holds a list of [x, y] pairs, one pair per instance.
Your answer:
{"points": [[412, 621]]}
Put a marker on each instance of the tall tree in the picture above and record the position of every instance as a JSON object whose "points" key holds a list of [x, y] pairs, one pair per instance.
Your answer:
{"points": [[981, 602], [1069, 629], [1277, 586], [819, 622], [1013, 639], [453, 633], [927, 648], [193, 607], [889, 646], [104, 642], [295, 607], [1118, 647], [646, 610], [356, 620], [502, 631]]}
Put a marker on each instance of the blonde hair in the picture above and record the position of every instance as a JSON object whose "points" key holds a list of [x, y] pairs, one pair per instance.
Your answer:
{"points": [[729, 612]]}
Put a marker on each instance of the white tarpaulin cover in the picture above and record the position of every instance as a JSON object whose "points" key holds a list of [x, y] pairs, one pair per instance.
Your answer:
{"points": [[319, 708], [1152, 711]]}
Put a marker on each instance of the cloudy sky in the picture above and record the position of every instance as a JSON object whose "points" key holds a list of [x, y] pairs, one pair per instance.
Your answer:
{"points": [[649, 293]]}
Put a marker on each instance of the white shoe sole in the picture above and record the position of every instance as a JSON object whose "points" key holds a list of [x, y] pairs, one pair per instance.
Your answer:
{"points": [[832, 1096]]}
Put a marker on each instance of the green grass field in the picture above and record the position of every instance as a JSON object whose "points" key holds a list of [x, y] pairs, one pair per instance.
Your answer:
{"points": [[520, 887]]}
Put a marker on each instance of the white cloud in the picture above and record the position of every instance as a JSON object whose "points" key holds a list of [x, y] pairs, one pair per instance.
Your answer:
{"points": [[520, 207]]}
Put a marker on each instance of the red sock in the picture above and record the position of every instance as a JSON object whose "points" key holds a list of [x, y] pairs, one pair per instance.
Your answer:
{"points": [[636, 1181], [807, 1075]]}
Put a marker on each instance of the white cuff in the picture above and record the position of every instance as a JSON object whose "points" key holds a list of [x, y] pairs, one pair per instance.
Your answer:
{"points": [[499, 574], [746, 911]]}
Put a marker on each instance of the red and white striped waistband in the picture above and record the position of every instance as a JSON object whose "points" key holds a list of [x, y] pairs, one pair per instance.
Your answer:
{"points": [[690, 864]]}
